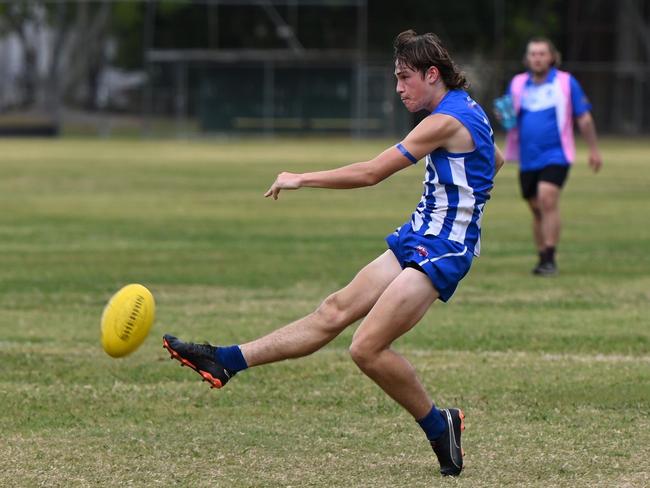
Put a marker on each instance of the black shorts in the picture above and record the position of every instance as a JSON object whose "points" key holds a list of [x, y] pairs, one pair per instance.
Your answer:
{"points": [[553, 173]]}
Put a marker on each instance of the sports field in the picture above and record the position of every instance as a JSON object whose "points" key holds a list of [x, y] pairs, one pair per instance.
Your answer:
{"points": [[553, 373]]}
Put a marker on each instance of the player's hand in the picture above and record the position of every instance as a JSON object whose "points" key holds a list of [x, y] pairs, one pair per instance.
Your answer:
{"points": [[284, 181], [595, 161]]}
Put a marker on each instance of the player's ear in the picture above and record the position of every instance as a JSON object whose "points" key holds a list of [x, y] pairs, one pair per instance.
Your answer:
{"points": [[432, 74], [557, 58]]}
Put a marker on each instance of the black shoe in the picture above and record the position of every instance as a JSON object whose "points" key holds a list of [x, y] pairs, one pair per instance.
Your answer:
{"points": [[199, 357], [447, 447], [545, 269]]}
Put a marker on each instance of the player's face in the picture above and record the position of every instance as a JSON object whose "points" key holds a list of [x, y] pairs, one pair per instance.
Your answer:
{"points": [[412, 88], [539, 57]]}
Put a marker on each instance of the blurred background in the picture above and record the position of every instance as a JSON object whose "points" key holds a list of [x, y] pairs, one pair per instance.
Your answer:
{"points": [[187, 68]]}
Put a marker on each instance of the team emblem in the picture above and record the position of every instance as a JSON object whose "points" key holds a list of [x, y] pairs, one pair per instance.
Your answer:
{"points": [[422, 251]]}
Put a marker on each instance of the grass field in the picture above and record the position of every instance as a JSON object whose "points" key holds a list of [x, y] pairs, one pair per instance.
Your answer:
{"points": [[553, 374]]}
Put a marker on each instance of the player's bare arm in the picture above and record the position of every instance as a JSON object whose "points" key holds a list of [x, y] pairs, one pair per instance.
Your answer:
{"points": [[499, 160], [433, 132], [438, 131], [356, 175], [588, 130]]}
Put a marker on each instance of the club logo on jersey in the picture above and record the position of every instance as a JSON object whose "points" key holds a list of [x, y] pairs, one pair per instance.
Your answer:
{"points": [[422, 251]]}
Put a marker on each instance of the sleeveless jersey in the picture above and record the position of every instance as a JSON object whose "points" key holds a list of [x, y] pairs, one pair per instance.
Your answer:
{"points": [[457, 185]]}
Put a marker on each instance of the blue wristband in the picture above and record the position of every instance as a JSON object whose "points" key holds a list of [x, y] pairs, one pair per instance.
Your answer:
{"points": [[407, 154]]}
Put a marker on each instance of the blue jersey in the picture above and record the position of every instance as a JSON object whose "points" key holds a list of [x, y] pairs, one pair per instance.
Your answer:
{"points": [[543, 137], [457, 185]]}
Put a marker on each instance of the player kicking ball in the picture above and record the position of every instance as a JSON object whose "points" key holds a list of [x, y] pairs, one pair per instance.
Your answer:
{"points": [[427, 256]]}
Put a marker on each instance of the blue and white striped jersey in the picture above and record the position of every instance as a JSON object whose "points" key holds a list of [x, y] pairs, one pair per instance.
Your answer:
{"points": [[457, 185]]}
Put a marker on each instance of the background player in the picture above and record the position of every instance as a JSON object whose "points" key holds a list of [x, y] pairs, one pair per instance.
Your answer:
{"points": [[427, 256], [546, 101]]}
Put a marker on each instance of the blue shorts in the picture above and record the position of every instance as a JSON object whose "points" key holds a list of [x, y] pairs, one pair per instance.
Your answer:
{"points": [[445, 262]]}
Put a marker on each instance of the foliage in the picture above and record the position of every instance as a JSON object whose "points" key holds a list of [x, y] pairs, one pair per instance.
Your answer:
{"points": [[78, 51]]}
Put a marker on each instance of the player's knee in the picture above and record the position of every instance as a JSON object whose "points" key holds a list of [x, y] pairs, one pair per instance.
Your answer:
{"points": [[547, 202], [534, 208], [333, 313], [362, 352], [359, 354]]}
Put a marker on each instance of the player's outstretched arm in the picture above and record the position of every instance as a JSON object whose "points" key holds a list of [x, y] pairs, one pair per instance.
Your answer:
{"points": [[431, 133], [356, 175]]}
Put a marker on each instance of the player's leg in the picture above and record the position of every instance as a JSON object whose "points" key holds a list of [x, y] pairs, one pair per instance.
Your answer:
{"points": [[398, 309], [548, 197], [549, 190], [528, 181], [538, 235], [304, 336], [335, 313]]}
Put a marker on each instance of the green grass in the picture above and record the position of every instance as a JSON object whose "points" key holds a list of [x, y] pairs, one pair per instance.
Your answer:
{"points": [[553, 374]]}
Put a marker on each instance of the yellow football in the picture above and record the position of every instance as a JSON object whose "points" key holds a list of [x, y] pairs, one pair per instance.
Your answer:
{"points": [[126, 320]]}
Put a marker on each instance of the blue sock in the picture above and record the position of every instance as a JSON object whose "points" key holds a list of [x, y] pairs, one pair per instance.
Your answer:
{"points": [[231, 357], [433, 424]]}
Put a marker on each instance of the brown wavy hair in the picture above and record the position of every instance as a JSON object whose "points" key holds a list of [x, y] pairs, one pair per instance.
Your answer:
{"points": [[420, 52]]}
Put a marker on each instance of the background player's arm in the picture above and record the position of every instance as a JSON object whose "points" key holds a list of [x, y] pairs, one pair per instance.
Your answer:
{"points": [[588, 130], [431, 133]]}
